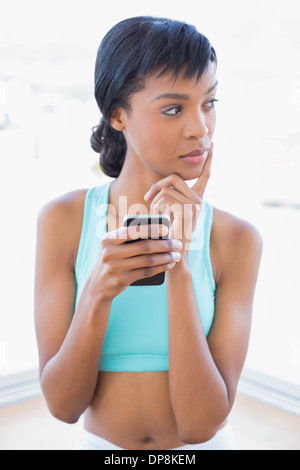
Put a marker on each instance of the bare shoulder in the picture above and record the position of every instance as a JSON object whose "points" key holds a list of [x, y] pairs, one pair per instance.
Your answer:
{"points": [[229, 228], [65, 205], [234, 241], [60, 222]]}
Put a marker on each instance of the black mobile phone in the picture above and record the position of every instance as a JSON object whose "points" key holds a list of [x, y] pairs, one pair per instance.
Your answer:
{"points": [[148, 219]]}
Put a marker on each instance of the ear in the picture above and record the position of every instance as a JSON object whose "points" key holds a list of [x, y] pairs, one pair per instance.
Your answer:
{"points": [[117, 119]]}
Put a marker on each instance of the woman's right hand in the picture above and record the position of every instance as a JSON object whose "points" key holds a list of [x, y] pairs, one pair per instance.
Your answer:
{"points": [[120, 264]]}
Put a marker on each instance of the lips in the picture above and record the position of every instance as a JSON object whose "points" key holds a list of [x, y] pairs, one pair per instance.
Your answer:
{"points": [[196, 153]]}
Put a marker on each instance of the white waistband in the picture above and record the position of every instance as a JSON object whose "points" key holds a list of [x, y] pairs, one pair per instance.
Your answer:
{"points": [[223, 440]]}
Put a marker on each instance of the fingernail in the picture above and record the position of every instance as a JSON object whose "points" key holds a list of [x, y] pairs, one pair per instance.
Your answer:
{"points": [[178, 245], [146, 195], [171, 265]]}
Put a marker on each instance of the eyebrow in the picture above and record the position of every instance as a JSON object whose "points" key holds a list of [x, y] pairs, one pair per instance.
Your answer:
{"points": [[212, 88], [180, 96], [173, 96]]}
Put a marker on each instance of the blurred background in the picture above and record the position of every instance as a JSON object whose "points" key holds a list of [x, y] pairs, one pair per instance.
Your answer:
{"points": [[47, 108]]}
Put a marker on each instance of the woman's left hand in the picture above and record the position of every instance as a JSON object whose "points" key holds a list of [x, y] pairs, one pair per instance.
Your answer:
{"points": [[172, 196]]}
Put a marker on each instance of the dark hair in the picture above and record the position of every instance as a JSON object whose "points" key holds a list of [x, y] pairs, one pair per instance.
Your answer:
{"points": [[130, 51]]}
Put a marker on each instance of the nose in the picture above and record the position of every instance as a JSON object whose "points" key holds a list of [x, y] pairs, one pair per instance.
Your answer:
{"points": [[196, 127]]}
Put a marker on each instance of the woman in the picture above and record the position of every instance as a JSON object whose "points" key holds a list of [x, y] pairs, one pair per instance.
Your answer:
{"points": [[170, 355]]}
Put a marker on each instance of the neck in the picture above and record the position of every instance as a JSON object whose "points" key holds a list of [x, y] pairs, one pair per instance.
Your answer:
{"points": [[127, 191]]}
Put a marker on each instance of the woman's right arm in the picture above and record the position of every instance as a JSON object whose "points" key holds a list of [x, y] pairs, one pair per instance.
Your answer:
{"points": [[69, 343]]}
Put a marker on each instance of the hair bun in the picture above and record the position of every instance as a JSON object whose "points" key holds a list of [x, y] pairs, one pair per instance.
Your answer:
{"points": [[111, 145], [97, 138]]}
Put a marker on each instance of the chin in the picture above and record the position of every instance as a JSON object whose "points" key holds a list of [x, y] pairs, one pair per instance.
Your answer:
{"points": [[191, 174], [185, 173]]}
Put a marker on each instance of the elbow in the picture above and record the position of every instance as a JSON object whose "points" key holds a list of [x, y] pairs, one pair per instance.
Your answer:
{"points": [[62, 411], [65, 418], [198, 437], [201, 430], [64, 415], [60, 408]]}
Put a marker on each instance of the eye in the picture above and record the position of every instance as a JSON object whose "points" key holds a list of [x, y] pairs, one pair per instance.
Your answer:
{"points": [[211, 103], [173, 111]]}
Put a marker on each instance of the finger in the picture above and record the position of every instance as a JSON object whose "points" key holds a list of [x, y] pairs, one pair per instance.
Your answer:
{"points": [[169, 206], [146, 260], [172, 196], [174, 208], [173, 181], [133, 232], [143, 247], [201, 183], [142, 273]]}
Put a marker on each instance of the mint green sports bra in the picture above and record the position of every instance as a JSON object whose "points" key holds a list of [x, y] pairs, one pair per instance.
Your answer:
{"points": [[137, 334]]}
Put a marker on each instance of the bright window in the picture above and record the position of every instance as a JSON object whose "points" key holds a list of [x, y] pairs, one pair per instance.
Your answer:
{"points": [[47, 108]]}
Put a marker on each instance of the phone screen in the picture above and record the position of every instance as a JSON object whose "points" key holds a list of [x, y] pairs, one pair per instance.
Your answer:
{"points": [[135, 221]]}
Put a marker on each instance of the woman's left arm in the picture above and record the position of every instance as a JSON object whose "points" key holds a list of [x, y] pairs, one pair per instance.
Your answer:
{"points": [[204, 372]]}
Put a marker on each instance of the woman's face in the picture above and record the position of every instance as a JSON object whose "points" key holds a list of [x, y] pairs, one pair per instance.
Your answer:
{"points": [[170, 126]]}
